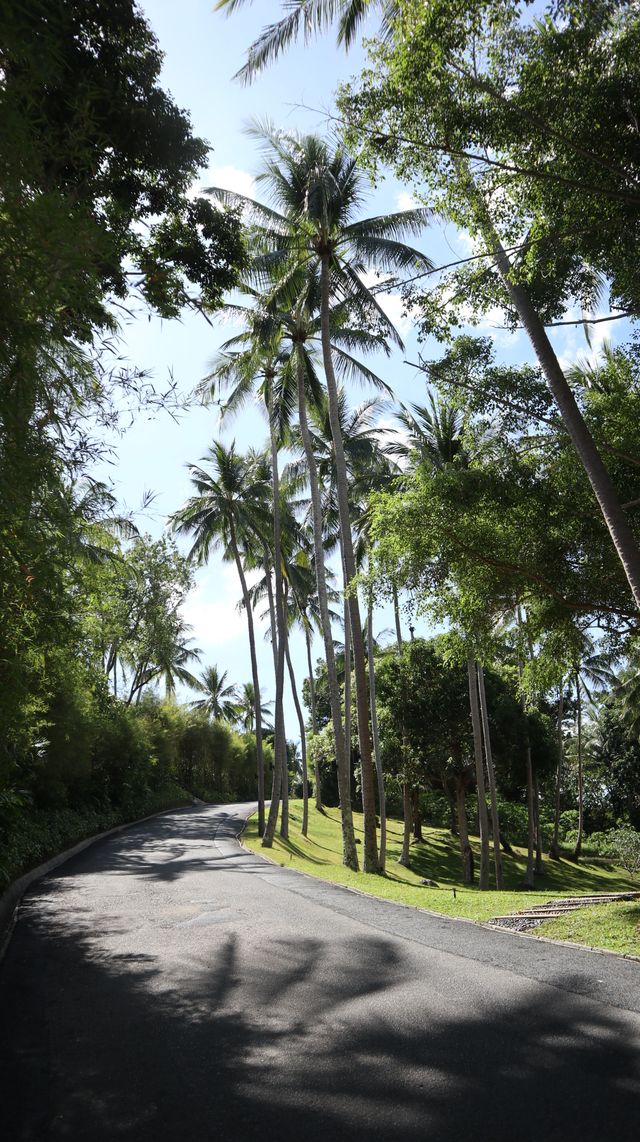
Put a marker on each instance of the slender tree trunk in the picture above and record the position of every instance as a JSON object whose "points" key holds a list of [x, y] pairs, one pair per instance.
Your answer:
{"points": [[483, 820], [314, 724], [349, 852], [536, 802], [254, 676], [347, 696], [399, 642], [417, 820], [531, 820], [406, 834], [284, 821], [280, 745], [531, 825], [578, 848], [554, 847], [303, 742], [376, 738], [597, 474], [277, 778], [495, 823], [396, 615], [463, 831], [370, 846]]}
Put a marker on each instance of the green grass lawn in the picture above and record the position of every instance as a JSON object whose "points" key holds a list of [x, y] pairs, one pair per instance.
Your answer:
{"points": [[612, 926], [438, 858]]}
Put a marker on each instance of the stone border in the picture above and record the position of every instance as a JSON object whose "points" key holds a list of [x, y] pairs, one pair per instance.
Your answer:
{"points": [[11, 898]]}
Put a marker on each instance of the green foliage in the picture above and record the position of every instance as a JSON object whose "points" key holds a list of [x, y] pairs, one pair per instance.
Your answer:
{"points": [[540, 109], [624, 846], [44, 833], [96, 163], [515, 521]]}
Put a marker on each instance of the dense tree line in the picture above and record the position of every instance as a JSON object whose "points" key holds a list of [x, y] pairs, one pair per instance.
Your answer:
{"points": [[504, 508], [97, 162]]}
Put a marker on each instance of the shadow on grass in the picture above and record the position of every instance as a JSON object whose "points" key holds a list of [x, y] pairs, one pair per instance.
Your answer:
{"points": [[325, 1039], [438, 858]]}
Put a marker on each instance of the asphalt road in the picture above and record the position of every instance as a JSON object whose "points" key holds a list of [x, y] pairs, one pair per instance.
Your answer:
{"points": [[167, 986]]}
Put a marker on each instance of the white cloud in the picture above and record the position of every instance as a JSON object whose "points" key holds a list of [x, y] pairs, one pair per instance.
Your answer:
{"points": [[229, 178], [212, 607], [405, 201]]}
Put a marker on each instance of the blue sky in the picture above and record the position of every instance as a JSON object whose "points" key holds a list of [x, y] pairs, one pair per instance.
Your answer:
{"points": [[202, 50]]}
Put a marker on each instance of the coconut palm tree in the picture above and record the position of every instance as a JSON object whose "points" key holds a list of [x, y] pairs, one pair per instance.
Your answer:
{"points": [[591, 672], [317, 193], [320, 191], [221, 700], [305, 18], [248, 707], [291, 334], [368, 470], [229, 509]]}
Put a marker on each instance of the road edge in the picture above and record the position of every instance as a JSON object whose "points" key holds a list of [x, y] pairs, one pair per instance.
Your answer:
{"points": [[439, 915], [10, 899]]}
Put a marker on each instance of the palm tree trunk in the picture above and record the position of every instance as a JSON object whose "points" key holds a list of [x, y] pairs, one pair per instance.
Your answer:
{"points": [[349, 851], [370, 846], [280, 747], [376, 738], [483, 820], [531, 824], [303, 741], [284, 820], [536, 802], [254, 676], [495, 823], [314, 723], [347, 696], [598, 476], [554, 847], [396, 615], [463, 831], [404, 857], [277, 778], [531, 820], [417, 818], [578, 847]]}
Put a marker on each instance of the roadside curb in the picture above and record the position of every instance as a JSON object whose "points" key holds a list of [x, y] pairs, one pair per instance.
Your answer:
{"points": [[10, 899], [438, 915]]}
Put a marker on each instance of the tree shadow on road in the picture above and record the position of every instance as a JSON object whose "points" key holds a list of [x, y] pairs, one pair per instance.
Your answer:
{"points": [[321, 1040]]}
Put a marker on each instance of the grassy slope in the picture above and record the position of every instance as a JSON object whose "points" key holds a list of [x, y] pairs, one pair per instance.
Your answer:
{"points": [[438, 859], [612, 926]]}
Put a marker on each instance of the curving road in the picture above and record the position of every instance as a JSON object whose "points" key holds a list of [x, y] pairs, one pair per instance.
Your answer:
{"points": [[165, 985]]}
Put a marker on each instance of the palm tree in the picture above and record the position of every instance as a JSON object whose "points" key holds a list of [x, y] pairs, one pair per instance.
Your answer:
{"points": [[229, 509], [369, 470], [248, 707], [305, 18], [290, 334], [319, 191], [592, 670], [257, 364], [221, 700]]}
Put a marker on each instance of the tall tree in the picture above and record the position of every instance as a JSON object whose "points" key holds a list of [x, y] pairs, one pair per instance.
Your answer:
{"points": [[221, 698], [320, 190], [423, 109], [229, 508]]}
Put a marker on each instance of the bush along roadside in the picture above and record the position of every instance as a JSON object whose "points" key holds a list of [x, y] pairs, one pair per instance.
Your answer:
{"points": [[28, 840]]}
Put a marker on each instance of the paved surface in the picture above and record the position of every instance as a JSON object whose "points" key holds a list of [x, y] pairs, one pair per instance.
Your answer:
{"points": [[165, 985]]}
